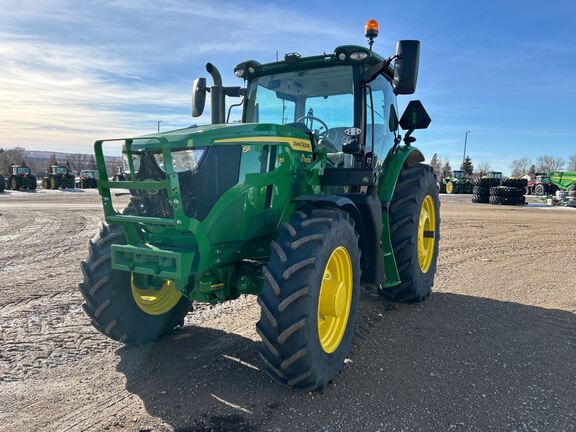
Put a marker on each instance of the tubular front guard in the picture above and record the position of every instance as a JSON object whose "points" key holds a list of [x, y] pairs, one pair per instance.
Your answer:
{"points": [[139, 256]]}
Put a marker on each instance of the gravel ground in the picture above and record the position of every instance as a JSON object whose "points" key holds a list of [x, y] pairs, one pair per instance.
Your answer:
{"points": [[492, 349]]}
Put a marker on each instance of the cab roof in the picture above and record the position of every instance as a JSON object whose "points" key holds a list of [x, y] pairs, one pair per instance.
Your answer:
{"points": [[293, 61]]}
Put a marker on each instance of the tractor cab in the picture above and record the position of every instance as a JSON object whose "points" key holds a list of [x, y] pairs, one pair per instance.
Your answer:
{"points": [[459, 175], [544, 178], [59, 170], [495, 175], [88, 174], [21, 170]]}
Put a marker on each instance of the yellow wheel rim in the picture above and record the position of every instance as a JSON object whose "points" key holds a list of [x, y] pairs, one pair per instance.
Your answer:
{"points": [[52, 183], [426, 234], [156, 301], [449, 187], [335, 299]]}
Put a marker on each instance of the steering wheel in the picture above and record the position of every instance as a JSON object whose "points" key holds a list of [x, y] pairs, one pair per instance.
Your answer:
{"points": [[311, 118]]}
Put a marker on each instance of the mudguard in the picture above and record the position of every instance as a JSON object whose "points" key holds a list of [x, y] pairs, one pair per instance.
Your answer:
{"points": [[388, 178]]}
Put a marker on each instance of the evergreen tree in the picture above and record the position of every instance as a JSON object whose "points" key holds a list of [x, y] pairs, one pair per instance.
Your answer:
{"points": [[446, 170], [532, 171], [467, 166]]}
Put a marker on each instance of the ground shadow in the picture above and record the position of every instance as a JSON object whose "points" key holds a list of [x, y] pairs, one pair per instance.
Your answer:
{"points": [[454, 362]]}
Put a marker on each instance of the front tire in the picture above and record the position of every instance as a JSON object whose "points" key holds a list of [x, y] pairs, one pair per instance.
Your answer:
{"points": [[309, 299], [111, 297], [415, 233]]}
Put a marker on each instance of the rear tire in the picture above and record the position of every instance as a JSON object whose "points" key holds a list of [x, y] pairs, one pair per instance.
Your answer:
{"points": [[539, 190], [480, 199], [110, 304], [15, 183], [295, 279], [414, 185]]}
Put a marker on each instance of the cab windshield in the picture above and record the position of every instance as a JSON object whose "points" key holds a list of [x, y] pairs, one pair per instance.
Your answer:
{"points": [[60, 170], [22, 170], [320, 99]]}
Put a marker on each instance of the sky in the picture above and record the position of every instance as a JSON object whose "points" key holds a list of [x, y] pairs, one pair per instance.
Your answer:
{"points": [[72, 72]]}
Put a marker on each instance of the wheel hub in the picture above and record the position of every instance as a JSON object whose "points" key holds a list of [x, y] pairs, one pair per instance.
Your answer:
{"points": [[426, 233], [335, 299], [154, 300]]}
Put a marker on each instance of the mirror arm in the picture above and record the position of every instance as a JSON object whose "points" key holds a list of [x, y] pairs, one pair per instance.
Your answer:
{"points": [[378, 68], [409, 139]]}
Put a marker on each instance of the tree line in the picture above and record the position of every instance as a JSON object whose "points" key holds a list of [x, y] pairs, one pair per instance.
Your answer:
{"points": [[544, 163], [74, 161], [443, 169], [518, 167]]}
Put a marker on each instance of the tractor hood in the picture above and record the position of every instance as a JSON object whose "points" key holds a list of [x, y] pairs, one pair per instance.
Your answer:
{"points": [[222, 134]]}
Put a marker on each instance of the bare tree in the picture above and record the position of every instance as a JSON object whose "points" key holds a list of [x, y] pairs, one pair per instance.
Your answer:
{"points": [[547, 163], [9, 157], [92, 163], [483, 168], [572, 163], [519, 167], [80, 161]]}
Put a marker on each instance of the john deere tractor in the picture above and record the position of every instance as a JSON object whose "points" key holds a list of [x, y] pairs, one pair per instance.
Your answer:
{"points": [[457, 183], [59, 177], [21, 177], [87, 179], [311, 195]]}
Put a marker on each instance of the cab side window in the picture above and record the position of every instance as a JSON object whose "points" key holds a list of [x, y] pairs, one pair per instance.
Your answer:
{"points": [[382, 99]]}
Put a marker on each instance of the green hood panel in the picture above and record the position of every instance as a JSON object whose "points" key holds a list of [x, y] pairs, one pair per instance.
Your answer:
{"points": [[203, 136]]}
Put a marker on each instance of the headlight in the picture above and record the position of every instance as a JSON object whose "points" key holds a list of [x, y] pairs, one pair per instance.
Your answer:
{"points": [[184, 160], [358, 55], [135, 160]]}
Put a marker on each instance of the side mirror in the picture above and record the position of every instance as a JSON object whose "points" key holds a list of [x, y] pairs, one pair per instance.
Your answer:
{"points": [[415, 117], [406, 66], [198, 96]]}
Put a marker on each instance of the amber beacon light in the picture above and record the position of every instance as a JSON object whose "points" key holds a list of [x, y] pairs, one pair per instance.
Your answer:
{"points": [[371, 31]]}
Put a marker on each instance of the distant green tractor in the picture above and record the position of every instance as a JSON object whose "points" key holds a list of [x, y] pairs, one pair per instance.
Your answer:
{"points": [[21, 177], [457, 183], [59, 177], [87, 179], [2, 183], [313, 194]]}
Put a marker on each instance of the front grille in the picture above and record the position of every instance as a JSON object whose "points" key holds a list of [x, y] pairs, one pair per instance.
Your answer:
{"points": [[199, 189]]}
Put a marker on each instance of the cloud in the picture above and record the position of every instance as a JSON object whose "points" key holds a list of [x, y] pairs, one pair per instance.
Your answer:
{"points": [[70, 75]]}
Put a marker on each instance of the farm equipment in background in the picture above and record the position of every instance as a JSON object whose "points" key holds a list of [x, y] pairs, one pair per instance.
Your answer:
{"points": [[482, 185], [59, 177], [2, 183], [541, 185], [87, 179], [21, 177], [549, 183], [313, 194], [457, 183]]}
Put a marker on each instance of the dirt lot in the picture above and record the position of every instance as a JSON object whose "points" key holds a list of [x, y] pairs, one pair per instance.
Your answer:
{"points": [[494, 348]]}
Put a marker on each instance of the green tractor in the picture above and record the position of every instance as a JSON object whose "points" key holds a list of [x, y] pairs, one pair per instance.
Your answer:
{"points": [[59, 177], [21, 177], [313, 194], [457, 183], [87, 179]]}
